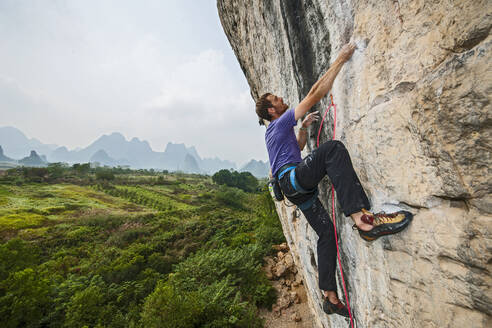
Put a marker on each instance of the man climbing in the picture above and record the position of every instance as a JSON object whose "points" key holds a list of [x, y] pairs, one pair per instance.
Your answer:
{"points": [[298, 178]]}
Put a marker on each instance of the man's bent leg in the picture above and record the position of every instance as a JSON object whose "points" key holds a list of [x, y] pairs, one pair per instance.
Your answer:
{"points": [[332, 159], [319, 220]]}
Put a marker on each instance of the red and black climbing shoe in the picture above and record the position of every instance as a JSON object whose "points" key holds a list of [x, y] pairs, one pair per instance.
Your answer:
{"points": [[339, 308], [384, 224]]}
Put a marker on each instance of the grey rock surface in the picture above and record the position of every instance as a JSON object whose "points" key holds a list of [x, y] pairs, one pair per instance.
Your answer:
{"points": [[414, 111]]}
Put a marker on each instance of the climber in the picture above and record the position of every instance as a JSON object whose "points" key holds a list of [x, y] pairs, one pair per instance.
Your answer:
{"points": [[298, 178]]}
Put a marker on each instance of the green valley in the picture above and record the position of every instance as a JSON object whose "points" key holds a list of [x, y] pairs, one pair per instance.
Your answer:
{"points": [[85, 247]]}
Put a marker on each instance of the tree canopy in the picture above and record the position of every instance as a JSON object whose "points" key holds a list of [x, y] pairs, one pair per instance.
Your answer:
{"points": [[242, 180]]}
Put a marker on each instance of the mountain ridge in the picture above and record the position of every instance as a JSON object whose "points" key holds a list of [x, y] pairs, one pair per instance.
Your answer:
{"points": [[118, 151]]}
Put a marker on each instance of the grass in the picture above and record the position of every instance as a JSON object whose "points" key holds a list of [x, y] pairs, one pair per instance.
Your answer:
{"points": [[20, 220], [36, 205], [33, 233]]}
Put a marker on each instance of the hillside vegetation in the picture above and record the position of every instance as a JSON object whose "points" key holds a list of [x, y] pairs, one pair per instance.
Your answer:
{"points": [[84, 247]]}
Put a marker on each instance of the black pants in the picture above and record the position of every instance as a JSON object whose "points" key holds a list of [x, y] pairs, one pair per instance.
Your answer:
{"points": [[331, 159]]}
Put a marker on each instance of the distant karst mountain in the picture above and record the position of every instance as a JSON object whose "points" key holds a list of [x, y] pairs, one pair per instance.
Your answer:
{"points": [[17, 145], [212, 165], [4, 158], [33, 160], [259, 169], [115, 150], [135, 153], [174, 156], [190, 164], [102, 158]]}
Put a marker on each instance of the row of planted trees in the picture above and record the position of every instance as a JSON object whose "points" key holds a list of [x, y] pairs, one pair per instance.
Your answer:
{"points": [[136, 196]]}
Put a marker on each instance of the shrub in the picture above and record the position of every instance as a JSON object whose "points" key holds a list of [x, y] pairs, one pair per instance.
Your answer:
{"points": [[25, 300], [240, 266], [23, 219], [160, 263], [104, 221], [230, 197], [244, 180], [216, 305], [55, 170], [80, 234], [168, 307], [126, 237], [87, 308], [127, 265], [16, 255], [267, 236], [104, 174], [81, 169]]}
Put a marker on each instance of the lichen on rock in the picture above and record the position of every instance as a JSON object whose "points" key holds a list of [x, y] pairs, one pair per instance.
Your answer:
{"points": [[414, 111]]}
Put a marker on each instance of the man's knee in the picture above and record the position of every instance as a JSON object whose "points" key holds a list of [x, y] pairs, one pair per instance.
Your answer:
{"points": [[334, 145], [339, 144]]}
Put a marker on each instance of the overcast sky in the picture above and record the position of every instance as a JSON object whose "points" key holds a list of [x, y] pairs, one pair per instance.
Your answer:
{"points": [[158, 70]]}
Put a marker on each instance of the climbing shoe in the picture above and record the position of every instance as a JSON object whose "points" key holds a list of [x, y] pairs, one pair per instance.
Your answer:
{"points": [[330, 308], [383, 223]]}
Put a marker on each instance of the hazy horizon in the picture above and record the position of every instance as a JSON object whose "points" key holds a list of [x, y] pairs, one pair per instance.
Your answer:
{"points": [[6, 152], [161, 71]]}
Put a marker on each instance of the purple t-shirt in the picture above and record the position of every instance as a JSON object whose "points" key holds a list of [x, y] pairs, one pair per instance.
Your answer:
{"points": [[281, 141]]}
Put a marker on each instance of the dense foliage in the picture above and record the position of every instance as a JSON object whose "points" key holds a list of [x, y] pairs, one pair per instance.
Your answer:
{"points": [[242, 180], [131, 249]]}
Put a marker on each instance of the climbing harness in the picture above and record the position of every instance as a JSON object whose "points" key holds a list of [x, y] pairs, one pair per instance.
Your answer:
{"points": [[274, 188], [332, 104], [276, 192], [298, 189]]}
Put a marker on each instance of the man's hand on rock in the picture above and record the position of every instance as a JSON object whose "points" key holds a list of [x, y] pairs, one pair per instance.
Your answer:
{"points": [[310, 118], [347, 51]]}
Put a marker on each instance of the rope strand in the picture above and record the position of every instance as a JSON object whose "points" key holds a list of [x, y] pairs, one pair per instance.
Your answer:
{"points": [[332, 104]]}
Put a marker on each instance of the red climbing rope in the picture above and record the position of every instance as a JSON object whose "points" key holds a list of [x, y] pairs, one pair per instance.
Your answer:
{"points": [[332, 104]]}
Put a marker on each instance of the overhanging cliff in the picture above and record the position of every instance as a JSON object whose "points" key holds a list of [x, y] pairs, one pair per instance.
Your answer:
{"points": [[414, 110]]}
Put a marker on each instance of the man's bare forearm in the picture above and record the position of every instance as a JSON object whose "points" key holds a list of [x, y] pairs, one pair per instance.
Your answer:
{"points": [[324, 84], [302, 138]]}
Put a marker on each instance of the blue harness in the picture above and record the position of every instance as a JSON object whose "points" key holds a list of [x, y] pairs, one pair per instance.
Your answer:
{"points": [[299, 190]]}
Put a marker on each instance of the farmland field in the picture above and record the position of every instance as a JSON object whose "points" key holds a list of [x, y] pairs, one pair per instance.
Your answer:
{"points": [[131, 249]]}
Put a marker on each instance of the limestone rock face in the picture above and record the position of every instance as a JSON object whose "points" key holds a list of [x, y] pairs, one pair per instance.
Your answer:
{"points": [[414, 111]]}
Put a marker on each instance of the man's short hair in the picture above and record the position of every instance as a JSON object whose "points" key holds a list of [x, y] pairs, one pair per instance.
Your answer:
{"points": [[262, 105]]}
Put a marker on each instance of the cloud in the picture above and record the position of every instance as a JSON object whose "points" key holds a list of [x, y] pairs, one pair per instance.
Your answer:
{"points": [[200, 104], [161, 71], [199, 80]]}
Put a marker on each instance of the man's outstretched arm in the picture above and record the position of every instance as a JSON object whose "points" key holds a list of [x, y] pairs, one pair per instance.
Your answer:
{"points": [[324, 84]]}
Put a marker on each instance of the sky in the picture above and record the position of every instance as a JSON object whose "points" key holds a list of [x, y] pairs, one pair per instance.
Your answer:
{"points": [[159, 70]]}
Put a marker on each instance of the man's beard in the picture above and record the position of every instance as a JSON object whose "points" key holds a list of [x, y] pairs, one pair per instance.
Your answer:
{"points": [[281, 111]]}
